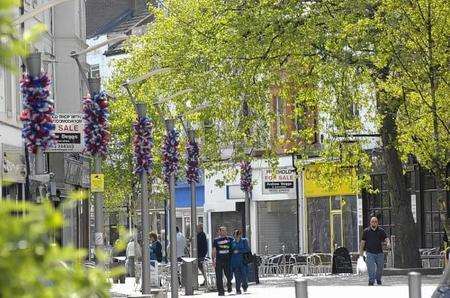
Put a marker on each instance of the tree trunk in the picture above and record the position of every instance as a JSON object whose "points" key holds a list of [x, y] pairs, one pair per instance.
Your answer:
{"points": [[406, 245]]}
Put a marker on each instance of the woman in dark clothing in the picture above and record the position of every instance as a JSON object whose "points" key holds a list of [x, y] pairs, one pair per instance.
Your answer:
{"points": [[155, 248], [238, 247]]}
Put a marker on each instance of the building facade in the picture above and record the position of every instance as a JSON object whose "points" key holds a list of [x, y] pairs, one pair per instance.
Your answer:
{"points": [[274, 207], [66, 32]]}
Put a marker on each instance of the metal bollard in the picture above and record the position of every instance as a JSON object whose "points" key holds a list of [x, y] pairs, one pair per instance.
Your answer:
{"points": [[301, 288], [415, 285]]}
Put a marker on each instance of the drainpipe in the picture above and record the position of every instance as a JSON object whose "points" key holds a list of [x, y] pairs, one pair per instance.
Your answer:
{"points": [[297, 200]]}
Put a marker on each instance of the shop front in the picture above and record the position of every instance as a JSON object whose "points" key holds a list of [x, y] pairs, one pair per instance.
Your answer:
{"points": [[276, 210], [332, 216], [13, 173]]}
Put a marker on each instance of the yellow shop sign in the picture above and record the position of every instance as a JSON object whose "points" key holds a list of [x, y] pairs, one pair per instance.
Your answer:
{"points": [[314, 188]]}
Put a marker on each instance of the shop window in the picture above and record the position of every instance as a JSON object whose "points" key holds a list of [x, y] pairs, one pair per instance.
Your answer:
{"points": [[319, 233], [232, 220], [350, 223], [380, 204], [277, 227], [335, 203], [434, 229]]}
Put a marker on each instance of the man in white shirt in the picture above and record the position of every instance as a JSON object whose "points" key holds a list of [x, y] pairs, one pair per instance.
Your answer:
{"points": [[133, 253], [181, 245]]}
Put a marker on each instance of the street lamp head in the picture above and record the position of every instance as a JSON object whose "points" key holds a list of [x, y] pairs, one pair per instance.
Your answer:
{"points": [[147, 75], [34, 63], [112, 40]]}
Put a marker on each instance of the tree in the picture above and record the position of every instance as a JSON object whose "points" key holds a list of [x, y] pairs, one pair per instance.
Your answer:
{"points": [[12, 44], [33, 265], [326, 56]]}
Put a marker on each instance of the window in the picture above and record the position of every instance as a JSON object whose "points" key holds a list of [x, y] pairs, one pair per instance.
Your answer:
{"points": [[279, 114], [234, 192], [433, 213], [94, 71], [379, 204], [2, 90]]}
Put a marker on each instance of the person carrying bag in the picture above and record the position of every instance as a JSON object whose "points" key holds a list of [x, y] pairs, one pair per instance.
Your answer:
{"points": [[240, 258]]}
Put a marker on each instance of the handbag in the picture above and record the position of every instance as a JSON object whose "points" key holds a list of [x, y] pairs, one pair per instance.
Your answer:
{"points": [[248, 257]]}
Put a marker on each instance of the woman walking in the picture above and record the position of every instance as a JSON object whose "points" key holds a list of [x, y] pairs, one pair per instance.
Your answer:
{"points": [[239, 247]]}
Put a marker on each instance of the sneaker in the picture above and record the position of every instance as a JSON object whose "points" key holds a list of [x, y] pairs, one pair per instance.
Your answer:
{"points": [[221, 294], [379, 282], [370, 283], [230, 289], [245, 290], [238, 292]]}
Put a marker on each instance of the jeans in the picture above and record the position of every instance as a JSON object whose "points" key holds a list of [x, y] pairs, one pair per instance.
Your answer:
{"points": [[240, 276], [130, 266], [223, 266], [375, 264]]}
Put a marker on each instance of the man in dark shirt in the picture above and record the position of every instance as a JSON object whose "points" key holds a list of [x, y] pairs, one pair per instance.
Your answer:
{"points": [[372, 241], [202, 250], [221, 260]]}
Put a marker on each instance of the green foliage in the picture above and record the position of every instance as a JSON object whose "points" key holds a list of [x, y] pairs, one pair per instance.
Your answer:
{"points": [[33, 265], [11, 43], [324, 58]]}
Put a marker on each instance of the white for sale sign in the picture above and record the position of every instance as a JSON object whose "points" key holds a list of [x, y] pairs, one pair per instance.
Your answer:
{"points": [[281, 180], [69, 133]]}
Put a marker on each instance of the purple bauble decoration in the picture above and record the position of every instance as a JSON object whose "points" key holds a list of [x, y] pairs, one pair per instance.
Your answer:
{"points": [[171, 157], [37, 115], [95, 115], [143, 144], [192, 171], [246, 176]]}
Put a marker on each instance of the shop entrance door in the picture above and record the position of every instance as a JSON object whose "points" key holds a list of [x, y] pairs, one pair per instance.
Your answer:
{"points": [[336, 230]]}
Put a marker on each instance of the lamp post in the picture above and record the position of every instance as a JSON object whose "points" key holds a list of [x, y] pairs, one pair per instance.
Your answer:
{"points": [[141, 110], [191, 138], [145, 221], [172, 225], [34, 63], [246, 183], [94, 86]]}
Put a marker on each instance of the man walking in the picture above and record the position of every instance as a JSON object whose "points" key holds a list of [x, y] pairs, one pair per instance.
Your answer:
{"points": [[372, 239], [202, 250], [181, 245], [221, 260], [133, 255]]}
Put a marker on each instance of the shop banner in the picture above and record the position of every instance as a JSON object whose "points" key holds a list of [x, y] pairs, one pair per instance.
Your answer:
{"points": [[313, 187], [69, 133], [281, 180]]}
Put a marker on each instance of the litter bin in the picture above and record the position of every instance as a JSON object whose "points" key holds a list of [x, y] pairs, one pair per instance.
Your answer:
{"points": [[187, 275], [253, 269], [118, 262]]}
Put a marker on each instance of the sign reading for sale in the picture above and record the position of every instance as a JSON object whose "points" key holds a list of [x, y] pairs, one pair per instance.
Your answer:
{"points": [[68, 132], [279, 180]]}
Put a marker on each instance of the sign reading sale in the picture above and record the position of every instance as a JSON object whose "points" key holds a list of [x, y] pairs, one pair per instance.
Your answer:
{"points": [[69, 133], [281, 180]]}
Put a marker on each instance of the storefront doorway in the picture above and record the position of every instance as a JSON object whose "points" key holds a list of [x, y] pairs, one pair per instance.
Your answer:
{"points": [[332, 223]]}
